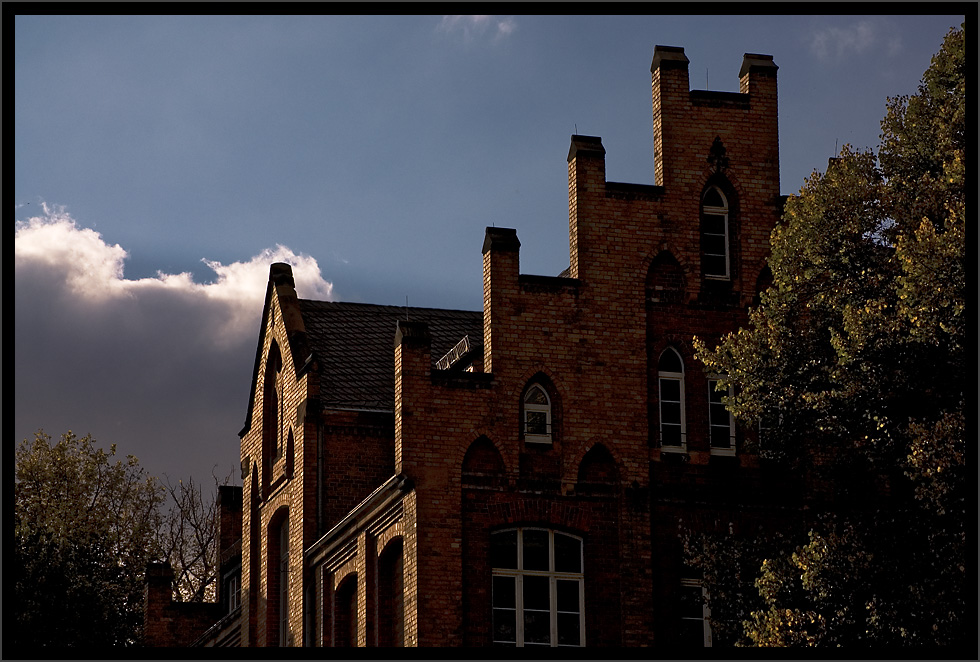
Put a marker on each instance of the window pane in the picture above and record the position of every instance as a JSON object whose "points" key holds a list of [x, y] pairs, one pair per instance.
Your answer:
{"points": [[719, 414], [503, 549], [692, 604], [713, 244], [535, 549], [537, 627], [721, 437], [712, 198], [537, 593], [503, 592], [714, 224], [714, 395], [670, 362], [504, 625], [535, 396], [567, 590], [537, 422], [568, 630], [670, 389], [568, 554], [670, 435], [714, 265], [670, 413]]}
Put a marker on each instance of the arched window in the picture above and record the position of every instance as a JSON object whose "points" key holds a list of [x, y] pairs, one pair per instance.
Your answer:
{"points": [[345, 613], [538, 588], [272, 406], [537, 415], [715, 262], [391, 589], [277, 580], [673, 427]]}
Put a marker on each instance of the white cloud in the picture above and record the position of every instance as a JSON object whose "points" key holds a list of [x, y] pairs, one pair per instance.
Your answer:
{"points": [[93, 272], [836, 43], [161, 366], [472, 27]]}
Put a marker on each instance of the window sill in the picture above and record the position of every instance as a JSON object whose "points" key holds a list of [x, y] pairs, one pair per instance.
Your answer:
{"points": [[537, 439]]}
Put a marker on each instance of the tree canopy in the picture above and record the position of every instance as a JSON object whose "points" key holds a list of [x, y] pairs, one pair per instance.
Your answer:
{"points": [[84, 529], [856, 358]]}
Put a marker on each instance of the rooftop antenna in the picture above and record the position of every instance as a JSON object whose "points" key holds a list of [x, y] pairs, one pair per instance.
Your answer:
{"points": [[576, 129]]}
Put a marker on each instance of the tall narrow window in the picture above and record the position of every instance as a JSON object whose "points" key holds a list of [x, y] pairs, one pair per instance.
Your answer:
{"points": [[284, 584], [232, 589], [391, 590], [673, 428], [715, 261], [721, 425], [695, 629], [538, 588], [345, 613], [537, 415], [272, 414]]}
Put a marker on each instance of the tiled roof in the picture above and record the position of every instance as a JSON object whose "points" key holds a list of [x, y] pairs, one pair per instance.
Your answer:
{"points": [[354, 344]]}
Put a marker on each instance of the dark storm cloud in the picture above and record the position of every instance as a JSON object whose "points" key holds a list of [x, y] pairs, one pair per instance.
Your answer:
{"points": [[159, 366]]}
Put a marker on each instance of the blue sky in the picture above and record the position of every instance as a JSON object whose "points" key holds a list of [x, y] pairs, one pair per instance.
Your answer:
{"points": [[161, 163]]}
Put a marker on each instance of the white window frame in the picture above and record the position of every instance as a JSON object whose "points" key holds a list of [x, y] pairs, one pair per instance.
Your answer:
{"points": [[705, 612], [723, 212], [519, 573], [233, 588], [678, 377], [539, 408], [729, 424]]}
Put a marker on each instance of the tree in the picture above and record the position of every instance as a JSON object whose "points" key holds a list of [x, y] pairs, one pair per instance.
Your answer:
{"points": [[190, 540], [857, 357], [84, 529]]}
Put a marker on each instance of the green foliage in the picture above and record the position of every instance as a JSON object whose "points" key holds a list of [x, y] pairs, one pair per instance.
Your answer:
{"points": [[729, 566], [84, 529], [857, 355]]}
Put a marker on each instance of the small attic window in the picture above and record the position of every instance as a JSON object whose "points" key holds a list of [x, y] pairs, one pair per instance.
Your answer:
{"points": [[537, 415]]}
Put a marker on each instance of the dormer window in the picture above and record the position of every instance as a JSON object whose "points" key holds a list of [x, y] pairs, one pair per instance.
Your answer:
{"points": [[715, 262], [537, 415]]}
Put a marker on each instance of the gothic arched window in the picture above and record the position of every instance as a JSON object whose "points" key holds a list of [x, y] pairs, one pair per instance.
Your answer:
{"points": [[673, 427], [537, 415], [715, 258]]}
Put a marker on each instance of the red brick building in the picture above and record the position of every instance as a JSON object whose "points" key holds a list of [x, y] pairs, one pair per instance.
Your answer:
{"points": [[518, 475]]}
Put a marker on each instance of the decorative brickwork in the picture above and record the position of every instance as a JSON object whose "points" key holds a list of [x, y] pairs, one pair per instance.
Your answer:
{"points": [[402, 459]]}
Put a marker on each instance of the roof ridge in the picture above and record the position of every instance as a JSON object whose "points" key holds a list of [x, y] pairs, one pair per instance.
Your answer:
{"points": [[393, 307]]}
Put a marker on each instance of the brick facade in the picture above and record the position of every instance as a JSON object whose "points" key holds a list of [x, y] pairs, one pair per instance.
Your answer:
{"points": [[394, 473]]}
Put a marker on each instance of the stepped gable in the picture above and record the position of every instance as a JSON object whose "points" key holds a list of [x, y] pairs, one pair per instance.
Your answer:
{"points": [[353, 344]]}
